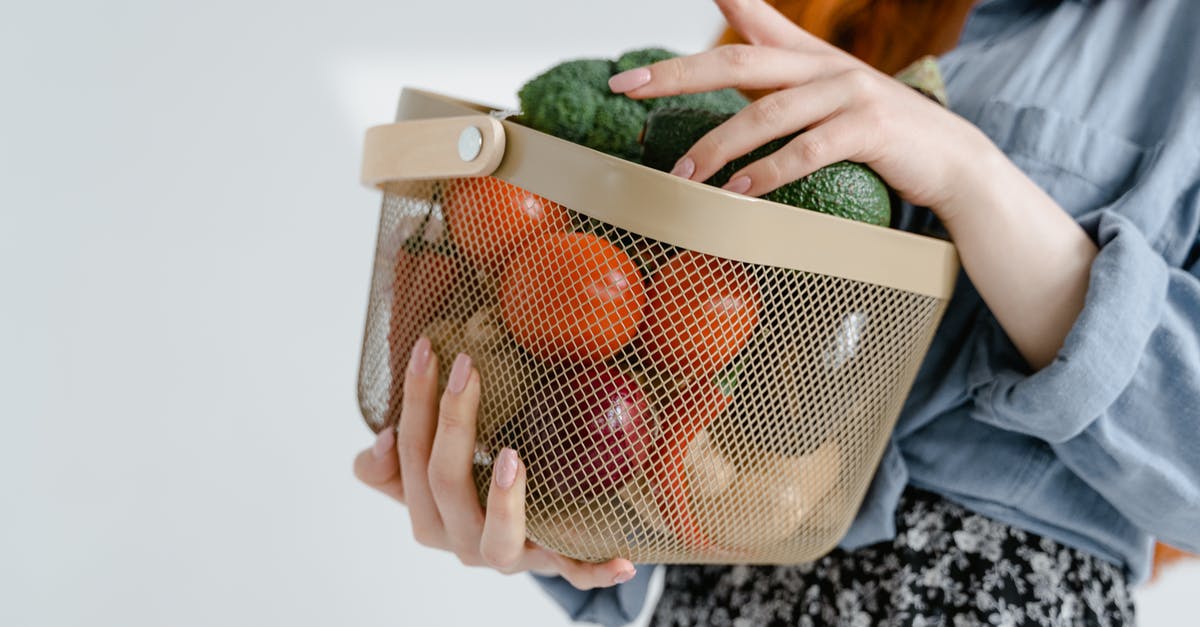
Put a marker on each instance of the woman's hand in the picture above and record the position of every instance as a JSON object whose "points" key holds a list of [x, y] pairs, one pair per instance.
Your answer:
{"points": [[1029, 260], [425, 463], [847, 110]]}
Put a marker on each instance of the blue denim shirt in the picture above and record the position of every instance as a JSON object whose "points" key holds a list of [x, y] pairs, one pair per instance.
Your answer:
{"points": [[1099, 103]]}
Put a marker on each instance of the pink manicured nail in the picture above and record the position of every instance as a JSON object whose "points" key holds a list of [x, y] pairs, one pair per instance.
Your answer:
{"points": [[738, 185], [384, 442], [459, 374], [629, 80], [684, 168], [420, 355], [624, 576], [506, 468]]}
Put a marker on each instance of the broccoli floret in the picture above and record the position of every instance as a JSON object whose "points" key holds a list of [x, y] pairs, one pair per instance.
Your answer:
{"points": [[639, 58], [565, 99], [572, 101], [616, 128]]}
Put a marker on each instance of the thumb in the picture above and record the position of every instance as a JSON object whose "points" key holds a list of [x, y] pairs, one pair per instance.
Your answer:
{"points": [[379, 466]]}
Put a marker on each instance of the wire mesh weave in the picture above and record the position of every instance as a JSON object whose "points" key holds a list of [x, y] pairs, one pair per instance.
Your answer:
{"points": [[670, 406]]}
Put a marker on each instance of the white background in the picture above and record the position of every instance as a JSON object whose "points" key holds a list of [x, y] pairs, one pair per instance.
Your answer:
{"points": [[184, 259]]}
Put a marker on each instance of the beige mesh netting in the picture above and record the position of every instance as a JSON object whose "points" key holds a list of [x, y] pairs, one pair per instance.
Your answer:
{"points": [[670, 405]]}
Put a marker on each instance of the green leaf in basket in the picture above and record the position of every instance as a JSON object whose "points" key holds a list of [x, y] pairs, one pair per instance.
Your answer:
{"points": [[727, 379]]}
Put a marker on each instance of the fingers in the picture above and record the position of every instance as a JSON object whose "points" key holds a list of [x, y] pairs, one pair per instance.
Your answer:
{"points": [[779, 54], [379, 466], [504, 547], [761, 24], [581, 575], [502, 544], [740, 66], [840, 139], [414, 439], [585, 575], [435, 443], [450, 461], [775, 115]]}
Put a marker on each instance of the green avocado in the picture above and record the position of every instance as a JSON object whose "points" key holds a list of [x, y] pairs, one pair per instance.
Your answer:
{"points": [[843, 189]]}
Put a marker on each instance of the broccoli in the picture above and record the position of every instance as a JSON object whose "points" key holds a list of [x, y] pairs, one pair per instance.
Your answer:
{"points": [[720, 101], [563, 101], [640, 58], [572, 101], [616, 128]]}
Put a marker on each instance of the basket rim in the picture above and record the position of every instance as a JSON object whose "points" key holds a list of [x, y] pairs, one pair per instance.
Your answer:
{"points": [[656, 204]]}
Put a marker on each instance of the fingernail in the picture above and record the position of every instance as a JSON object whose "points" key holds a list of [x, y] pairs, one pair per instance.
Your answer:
{"points": [[738, 185], [684, 168], [506, 468], [459, 374], [384, 442], [420, 355], [628, 80], [624, 576]]}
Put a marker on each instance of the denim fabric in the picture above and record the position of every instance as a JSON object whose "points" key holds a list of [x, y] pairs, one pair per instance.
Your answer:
{"points": [[1099, 103]]}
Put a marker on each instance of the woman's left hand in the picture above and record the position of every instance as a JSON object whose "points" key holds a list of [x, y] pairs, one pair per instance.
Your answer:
{"points": [[847, 110], [1027, 257]]}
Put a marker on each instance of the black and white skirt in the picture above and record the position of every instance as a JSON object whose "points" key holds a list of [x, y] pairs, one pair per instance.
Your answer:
{"points": [[947, 566]]}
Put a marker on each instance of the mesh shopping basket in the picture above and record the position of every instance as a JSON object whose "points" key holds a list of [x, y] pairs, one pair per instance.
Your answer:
{"points": [[689, 375]]}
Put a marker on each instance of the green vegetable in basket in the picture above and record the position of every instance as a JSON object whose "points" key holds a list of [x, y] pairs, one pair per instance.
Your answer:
{"points": [[844, 189], [572, 101], [719, 101]]}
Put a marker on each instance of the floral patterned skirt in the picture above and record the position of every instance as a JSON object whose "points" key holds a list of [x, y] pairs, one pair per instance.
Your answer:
{"points": [[947, 566]]}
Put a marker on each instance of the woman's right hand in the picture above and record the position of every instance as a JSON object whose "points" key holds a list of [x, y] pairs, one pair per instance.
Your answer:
{"points": [[425, 463]]}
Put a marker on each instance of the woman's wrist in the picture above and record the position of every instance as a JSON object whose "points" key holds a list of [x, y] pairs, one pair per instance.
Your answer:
{"points": [[975, 173]]}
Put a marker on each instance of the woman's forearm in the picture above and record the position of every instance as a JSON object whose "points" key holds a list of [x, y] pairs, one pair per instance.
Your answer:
{"points": [[1027, 257]]}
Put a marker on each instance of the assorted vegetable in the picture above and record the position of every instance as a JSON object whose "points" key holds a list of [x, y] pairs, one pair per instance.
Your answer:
{"points": [[675, 320], [597, 526], [501, 364], [709, 472], [583, 434], [687, 415], [424, 277], [844, 189], [779, 492], [572, 101], [572, 297], [489, 218], [792, 420], [702, 311]]}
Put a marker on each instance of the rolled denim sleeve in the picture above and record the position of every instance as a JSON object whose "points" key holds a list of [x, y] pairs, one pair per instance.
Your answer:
{"points": [[1120, 404], [611, 607]]}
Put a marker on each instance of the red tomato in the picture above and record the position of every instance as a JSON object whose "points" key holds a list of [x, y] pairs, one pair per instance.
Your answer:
{"points": [[702, 310], [489, 219], [572, 296]]}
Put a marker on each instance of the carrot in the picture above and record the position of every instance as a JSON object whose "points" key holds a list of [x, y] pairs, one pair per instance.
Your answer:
{"points": [[687, 415]]}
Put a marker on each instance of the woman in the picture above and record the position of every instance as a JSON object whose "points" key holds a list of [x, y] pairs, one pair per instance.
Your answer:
{"points": [[1053, 429]]}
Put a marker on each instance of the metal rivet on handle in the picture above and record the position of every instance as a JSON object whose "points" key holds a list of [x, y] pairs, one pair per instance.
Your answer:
{"points": [[470, 142]]}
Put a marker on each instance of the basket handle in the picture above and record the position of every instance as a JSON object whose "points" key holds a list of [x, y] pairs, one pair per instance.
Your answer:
{"points": [[434, 148]]}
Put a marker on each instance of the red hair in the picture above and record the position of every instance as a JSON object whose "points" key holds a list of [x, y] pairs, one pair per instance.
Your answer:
{"points": [[888, 34]]}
